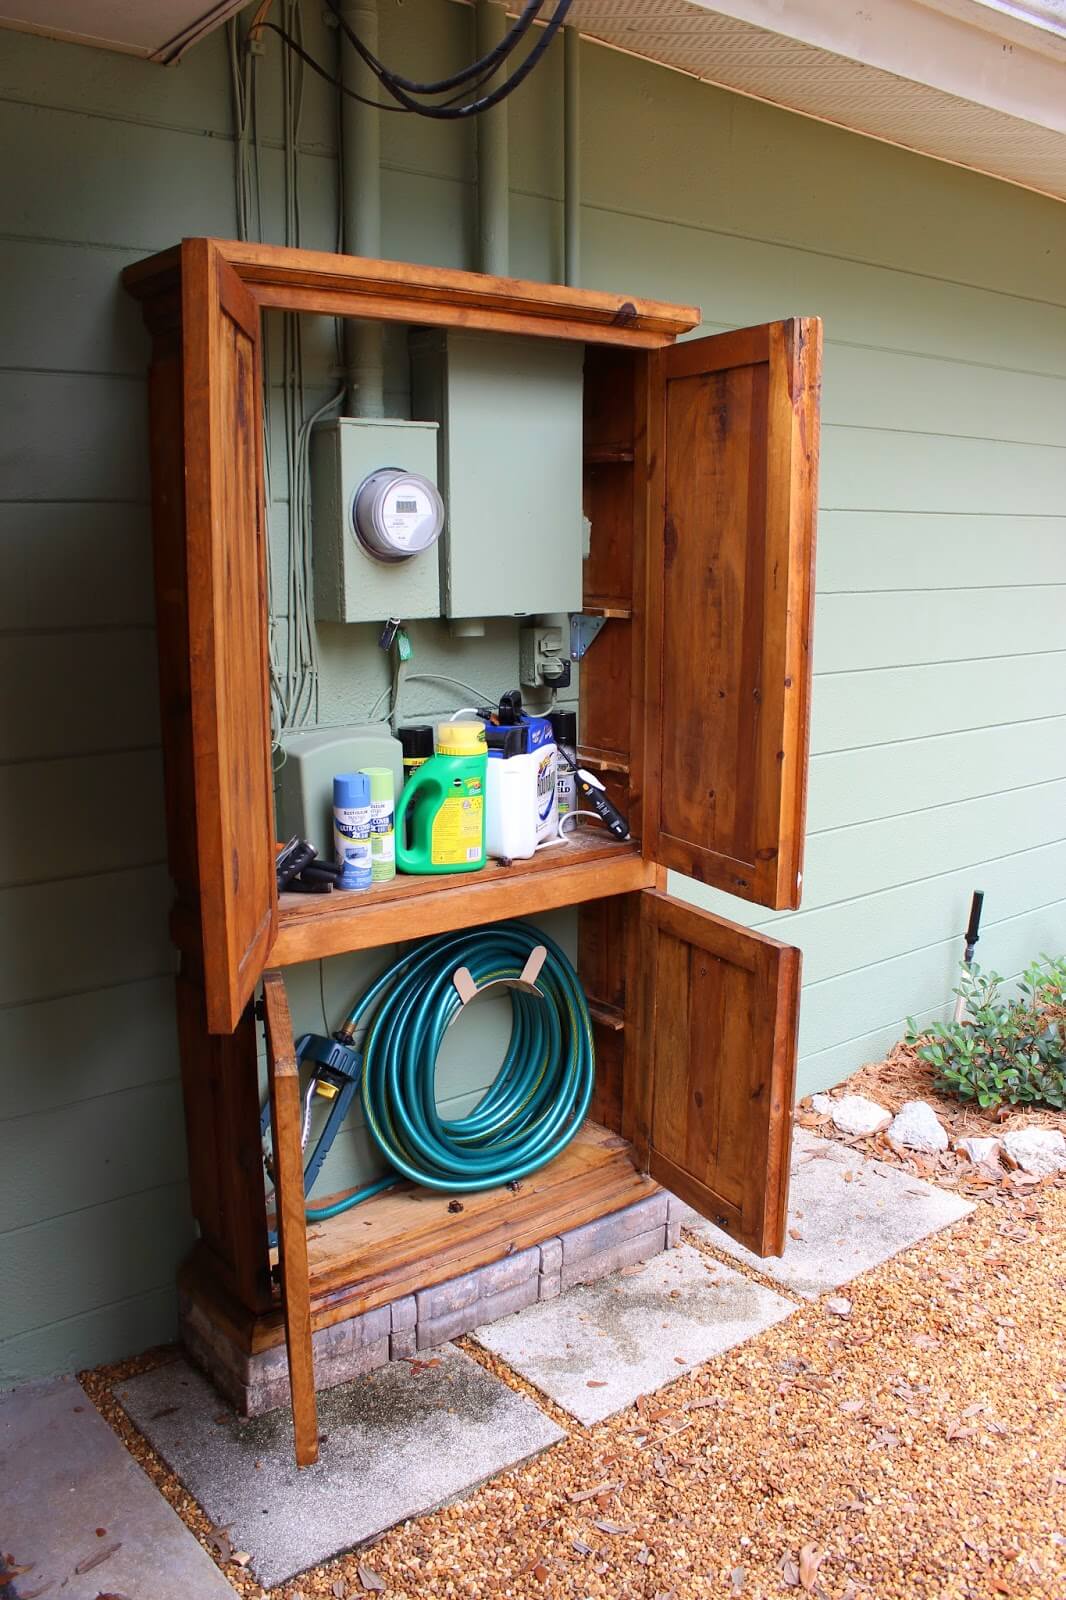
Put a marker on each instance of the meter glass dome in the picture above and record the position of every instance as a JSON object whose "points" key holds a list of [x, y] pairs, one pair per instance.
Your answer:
{"points": [[397, 514]]}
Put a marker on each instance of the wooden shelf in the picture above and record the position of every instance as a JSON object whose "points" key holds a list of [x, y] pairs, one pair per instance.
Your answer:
{"points": [[410, 907], [609, 608], [602, 760], [406, 1238]]}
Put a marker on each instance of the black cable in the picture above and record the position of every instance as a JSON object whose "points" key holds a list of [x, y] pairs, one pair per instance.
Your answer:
{"points": [[323, 73], [446, 112], [486, 65]]}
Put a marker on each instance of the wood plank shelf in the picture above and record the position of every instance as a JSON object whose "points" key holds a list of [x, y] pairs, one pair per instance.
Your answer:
{"points": [[406, 1238], [413, 907]]}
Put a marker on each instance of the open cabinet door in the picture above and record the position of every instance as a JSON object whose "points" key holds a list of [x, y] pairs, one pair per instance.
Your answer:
{"points": [[229, 684], [714, 1067], [733, 440]]}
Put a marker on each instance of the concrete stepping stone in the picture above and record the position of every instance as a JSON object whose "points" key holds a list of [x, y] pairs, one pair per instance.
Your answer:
{"points": [[846, 1214], [72, 1496], [599, 1347], [401, 1441]]}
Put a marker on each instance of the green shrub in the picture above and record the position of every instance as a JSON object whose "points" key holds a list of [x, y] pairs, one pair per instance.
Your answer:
{"points": [[1007, 1050]]}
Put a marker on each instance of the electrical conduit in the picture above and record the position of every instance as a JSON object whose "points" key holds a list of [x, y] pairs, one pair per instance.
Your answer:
{"points": [[361, 209]]}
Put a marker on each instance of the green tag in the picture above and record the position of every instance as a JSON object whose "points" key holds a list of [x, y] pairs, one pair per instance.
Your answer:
{"points": [[403, 644]]}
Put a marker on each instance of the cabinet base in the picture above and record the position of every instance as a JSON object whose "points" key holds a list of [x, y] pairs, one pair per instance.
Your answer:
{"points": [[255, 1380]]}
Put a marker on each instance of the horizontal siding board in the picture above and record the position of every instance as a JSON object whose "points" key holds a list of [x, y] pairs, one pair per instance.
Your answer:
{"points": [[91, 1258], [194, 96], [75, 566], [821, 1069], [874, 469], [64, 309], [875, 855], [99, 182], [851, 786], [873, 388], [90, 1338], [876, 995], [58, 938], [93, 1151], [73, 436], [700, 155], [917, 916], [852, 863], [857, 632], [859, 551], [78, 693], [741, 281], [56, 1053], [101, 812], [892, 704]]}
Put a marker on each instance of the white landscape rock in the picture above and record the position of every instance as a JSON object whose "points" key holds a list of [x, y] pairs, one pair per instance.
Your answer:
{"points": [[916, 1126], [1039, 1151], [855, 1115], [979, 1148]]}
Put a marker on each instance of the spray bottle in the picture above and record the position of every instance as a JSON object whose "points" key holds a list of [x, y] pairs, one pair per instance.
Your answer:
{"points": [[351, 829], [382, 830], [564, 732], [539, 752]]}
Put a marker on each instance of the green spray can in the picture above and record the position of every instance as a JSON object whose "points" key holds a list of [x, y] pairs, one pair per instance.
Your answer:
{"points": [[382, 823]]}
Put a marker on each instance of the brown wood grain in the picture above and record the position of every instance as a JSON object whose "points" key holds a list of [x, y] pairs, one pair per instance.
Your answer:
{"points": [[317, 281], [283, 1077], [366, 1259], [416, 907], [717, 1064], [220, 1086], [227, 637], [729, 590]]}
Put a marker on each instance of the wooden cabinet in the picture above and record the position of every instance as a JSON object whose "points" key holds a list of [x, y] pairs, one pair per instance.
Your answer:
{"points": [[700, 476]]}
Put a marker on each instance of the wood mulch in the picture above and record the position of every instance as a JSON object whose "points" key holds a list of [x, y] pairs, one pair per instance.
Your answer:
{"points": [[903, 1076]]}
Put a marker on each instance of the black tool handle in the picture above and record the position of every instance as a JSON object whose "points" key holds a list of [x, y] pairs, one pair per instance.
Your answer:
{"points": [[973, 932], [604, 808]]}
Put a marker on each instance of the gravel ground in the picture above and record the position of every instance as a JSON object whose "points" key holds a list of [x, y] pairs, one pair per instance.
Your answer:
{"points": [[914, 1448]]}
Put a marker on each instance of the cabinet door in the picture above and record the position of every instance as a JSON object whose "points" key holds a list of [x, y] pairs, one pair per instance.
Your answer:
{"points": [[713, 1067], [229, 682], [733, 435]]}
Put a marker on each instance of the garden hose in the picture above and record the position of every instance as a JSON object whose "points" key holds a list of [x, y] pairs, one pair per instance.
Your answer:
{"points": [[533, 1107]]}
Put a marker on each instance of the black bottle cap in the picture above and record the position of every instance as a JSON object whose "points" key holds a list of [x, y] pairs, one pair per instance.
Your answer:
{"points": [[510, 710], [416, 742], [564, 727], [511, 741]]}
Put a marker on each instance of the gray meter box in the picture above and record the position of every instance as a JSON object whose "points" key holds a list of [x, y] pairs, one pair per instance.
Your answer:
{"points": [[510, 417], [303, 785], [350, 585]]}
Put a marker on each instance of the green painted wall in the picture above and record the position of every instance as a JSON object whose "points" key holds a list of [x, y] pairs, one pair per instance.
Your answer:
{"points": [[940, 705]]}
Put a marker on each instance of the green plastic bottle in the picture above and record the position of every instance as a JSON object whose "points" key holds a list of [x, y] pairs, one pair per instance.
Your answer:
{"points": [[445, 798]]}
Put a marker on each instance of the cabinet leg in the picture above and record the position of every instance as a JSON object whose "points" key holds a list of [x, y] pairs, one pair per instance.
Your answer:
{"points": [[290, 1207]]}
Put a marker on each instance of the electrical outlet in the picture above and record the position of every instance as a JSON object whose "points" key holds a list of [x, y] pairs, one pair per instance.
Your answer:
{"points": [[542, 660]]}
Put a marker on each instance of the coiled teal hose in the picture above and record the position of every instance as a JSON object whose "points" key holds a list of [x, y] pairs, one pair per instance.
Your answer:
{"points": [[531, 1110]]}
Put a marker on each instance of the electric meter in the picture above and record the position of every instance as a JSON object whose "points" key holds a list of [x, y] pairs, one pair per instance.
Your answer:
{"points": [[397, 514]]}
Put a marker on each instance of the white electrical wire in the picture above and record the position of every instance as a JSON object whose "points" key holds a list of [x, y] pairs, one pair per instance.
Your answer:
{"points": [[427, 677], [560, 837]]}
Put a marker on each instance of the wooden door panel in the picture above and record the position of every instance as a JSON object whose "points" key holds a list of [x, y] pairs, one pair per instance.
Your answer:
{"points": [[716, 1056], [227, 619], [734, 420]]}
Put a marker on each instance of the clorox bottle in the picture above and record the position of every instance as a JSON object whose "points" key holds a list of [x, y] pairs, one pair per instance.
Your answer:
{"points": [[445, 801]]}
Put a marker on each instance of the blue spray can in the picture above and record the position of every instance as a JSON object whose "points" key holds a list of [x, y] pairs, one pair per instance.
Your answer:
{"points": [[351, 830]]}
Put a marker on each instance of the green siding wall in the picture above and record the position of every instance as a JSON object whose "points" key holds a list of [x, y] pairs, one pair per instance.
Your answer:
{"points": [[939, 728]]}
